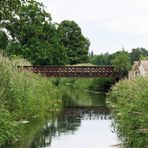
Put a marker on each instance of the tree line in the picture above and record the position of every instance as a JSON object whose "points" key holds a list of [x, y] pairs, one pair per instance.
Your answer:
{"points": [[27, 31], [122, 60]]}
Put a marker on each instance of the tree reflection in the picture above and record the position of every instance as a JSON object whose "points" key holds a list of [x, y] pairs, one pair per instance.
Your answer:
{"points": [[67, 122], [78, 106]]}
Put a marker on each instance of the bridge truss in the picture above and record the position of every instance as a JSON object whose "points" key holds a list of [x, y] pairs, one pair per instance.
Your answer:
{"points": [[72, 71]]}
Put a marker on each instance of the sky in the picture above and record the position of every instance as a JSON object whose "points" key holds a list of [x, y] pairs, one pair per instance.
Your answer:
{"points": [[110, 25]]}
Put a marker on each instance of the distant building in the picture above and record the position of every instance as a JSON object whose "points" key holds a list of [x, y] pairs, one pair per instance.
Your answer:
{"points": [[140, 68]]}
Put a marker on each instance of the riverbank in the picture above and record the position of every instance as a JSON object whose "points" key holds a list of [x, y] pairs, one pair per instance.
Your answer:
{"points": [[23, 97], [84, 115], [128, 102], [87, 84]]}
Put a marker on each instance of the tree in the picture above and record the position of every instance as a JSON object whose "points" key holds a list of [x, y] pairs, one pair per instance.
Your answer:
{"points": [[122, 63], [34, 36], [102, 59], [9, 10], [137, 53], [76, 44], [3, 40], [7, 13]]}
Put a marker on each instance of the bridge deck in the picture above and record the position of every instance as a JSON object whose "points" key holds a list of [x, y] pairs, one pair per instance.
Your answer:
{"points": [[72, 71]]}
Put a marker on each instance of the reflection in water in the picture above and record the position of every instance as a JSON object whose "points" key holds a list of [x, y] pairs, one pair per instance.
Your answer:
{"points": [[74, 97], [91, 113], [67, 123], [82, 123]]}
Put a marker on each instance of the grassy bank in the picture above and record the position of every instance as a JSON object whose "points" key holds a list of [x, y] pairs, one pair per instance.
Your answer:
{"points": [[92, 84], [23, 96], [128, 101]]}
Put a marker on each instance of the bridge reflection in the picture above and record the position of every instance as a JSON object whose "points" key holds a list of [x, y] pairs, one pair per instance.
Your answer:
{"points": [[87, 113], [78, 108], [68, 121]]}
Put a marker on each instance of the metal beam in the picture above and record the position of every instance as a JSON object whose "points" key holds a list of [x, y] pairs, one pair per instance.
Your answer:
{"points": [[72, 71]]}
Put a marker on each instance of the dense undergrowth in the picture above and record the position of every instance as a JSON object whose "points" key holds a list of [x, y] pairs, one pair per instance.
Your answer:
{"points": [[23, 96], [92, 84], [128, 101]]}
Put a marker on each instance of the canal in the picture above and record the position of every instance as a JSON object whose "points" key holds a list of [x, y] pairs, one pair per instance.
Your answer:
{"points": [[84, 122]]}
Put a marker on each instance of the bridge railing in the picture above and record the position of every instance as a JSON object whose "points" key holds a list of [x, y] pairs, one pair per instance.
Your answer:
{"points": [[72, 71]]}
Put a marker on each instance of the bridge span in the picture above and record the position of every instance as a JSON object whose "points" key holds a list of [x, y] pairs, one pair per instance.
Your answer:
{"points": [[72, 71]]}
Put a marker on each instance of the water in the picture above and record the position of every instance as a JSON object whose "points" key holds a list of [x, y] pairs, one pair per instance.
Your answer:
{"points": [[84, 122]]}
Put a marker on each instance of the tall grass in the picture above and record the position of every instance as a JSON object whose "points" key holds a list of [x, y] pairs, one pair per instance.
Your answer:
{"points": [[23, 96], [128, 101]]}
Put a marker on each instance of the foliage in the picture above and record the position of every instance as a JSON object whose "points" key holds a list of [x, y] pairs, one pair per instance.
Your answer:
{"points": [[8, 127], [34, 36], [102, 84], [76, 44], [144, 58], [8, 9], [106, 59], [122, 63], [128, 102], [102, 59], [23, 95], [90, 84], [3, 40], [77, 97], [137, 53]]}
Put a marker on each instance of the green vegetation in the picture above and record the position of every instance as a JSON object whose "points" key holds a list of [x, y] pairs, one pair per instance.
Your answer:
{"points": [[77, 97], [138, 53], [102, 59], [106, 59], [27, 31], [87, 84], [23, 96], [31, 134], [122, 60], [76, 44], [122, 63], [128, 101], [3, 40], [30, 33]]}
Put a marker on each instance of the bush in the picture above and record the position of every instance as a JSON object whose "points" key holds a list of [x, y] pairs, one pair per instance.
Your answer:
{"points": [[128, 101]]}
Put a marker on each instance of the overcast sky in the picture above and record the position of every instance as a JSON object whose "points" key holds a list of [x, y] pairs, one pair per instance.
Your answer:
{"points": [[109, 24]]}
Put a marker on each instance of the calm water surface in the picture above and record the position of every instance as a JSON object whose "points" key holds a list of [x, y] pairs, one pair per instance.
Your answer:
{"points": [[84, 122]]}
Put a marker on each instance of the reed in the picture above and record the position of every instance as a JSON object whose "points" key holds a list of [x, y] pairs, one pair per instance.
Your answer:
{"points": [[23, 96], [128, 102]]}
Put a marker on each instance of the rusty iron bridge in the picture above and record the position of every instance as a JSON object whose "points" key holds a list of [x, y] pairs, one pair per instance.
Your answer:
{"points": [[72, 71]]}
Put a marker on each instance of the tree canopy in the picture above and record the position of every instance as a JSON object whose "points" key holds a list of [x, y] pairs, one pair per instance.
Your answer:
{"points": [[102, 59], [76, 44], [3, 40], [137, 53], [27, 30], [33, 35], [122, 63]]}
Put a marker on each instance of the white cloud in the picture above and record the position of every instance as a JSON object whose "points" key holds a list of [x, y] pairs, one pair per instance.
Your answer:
{"points": [[109, 24]]}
